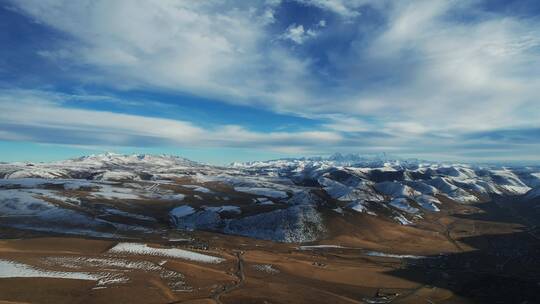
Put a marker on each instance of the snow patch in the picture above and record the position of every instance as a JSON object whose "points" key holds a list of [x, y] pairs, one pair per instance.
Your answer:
{"points": [[143, 249], [224, 209], [263, 201], [428, 203], [197, 188], [182, 211], [266, 268], [395, 256], [403, 205], [312, 247], [402, 220], [277, 194], [11, 269], [357, 206], [117, 176]]}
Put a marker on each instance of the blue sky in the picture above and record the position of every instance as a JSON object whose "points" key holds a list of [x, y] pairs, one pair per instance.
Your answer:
{"points": [[221, 81]]}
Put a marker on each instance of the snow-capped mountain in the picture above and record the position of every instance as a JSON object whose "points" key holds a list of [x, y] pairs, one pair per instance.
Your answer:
{"points": [[286, 200], [113, 166]]}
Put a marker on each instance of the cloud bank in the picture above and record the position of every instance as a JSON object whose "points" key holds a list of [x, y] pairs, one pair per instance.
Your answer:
{"points": [[436, 77]]}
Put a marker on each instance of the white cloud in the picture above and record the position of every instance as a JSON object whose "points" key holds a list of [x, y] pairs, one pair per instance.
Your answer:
{"points": [[42, 117], [214, 49], [268, 16], [344, 123], [436, 74], [421, 72], [467, 76], [405, 127], [344, 8], [297, 34], [454, 75]]}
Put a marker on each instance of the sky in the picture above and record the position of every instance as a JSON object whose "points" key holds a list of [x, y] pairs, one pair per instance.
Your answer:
{"points": [[232, 80]]}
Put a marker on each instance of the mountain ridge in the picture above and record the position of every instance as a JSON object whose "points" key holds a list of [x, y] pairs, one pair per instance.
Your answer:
{"points": [[296, 194]]}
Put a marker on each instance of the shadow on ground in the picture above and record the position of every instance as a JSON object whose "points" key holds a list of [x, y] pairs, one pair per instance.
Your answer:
{"points": [[504, 268]]}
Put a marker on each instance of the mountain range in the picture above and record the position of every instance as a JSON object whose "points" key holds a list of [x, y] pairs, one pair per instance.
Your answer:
{"points": [[287, 200]]}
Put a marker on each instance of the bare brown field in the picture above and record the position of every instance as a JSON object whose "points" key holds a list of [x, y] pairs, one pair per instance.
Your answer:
{"points": [[460, 255]]}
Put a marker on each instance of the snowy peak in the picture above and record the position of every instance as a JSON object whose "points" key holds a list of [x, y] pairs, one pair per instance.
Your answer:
{"points": [[133, 159], [101, 166], [338, 159]]}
